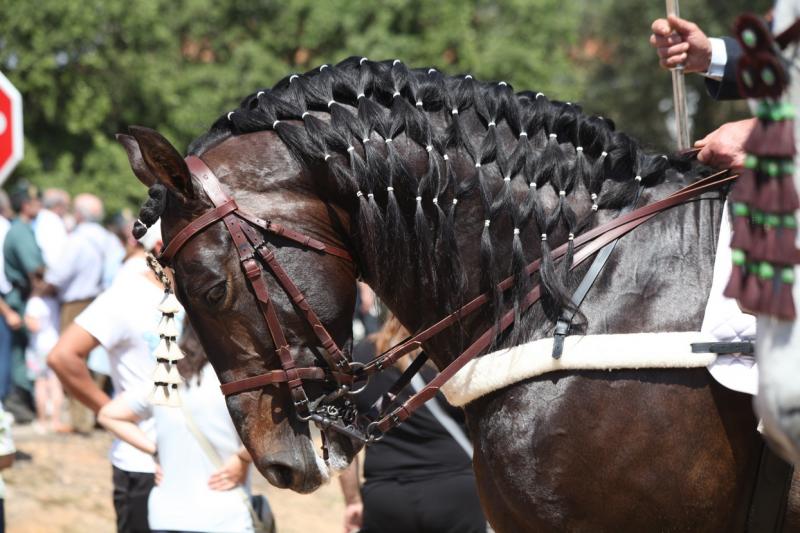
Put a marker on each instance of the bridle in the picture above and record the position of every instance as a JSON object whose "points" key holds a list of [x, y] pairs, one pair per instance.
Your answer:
{"points": [[334, 410], [254, 255]]}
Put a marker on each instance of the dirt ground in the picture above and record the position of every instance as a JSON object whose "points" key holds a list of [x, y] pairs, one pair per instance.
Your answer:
{"points": [[66, 488]]}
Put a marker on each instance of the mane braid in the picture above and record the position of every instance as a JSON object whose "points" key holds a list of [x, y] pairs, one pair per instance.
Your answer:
{"points": [[368, 125]]}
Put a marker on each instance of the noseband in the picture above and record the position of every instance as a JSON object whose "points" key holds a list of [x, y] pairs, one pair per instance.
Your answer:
{"points": [[334, 410]]}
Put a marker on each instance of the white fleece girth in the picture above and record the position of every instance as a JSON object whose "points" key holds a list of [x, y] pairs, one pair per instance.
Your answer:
{"points": [[588, 352]]}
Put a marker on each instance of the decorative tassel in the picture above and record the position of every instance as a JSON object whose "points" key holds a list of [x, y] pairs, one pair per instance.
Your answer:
{"points": [[772, 139], [768, 198], [170, 305], [159, 395], [162, 372], [736, 282], [771, 248], [167, 327], [766, 273], [162, 350], [758, 239], [174, 354], [745, 188], [783, 305], [751, 295], [741, 226], [173, 399], [788, 194], [174, 377], [787, 239]]}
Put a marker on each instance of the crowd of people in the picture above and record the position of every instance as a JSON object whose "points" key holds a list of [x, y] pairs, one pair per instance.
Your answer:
{"points": [[79, 321]]}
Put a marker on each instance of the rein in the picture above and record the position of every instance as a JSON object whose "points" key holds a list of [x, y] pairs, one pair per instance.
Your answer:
{"points": [[247, 232]]}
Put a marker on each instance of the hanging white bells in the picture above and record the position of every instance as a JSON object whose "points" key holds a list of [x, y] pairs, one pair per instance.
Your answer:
{"points": [[166, 377]]}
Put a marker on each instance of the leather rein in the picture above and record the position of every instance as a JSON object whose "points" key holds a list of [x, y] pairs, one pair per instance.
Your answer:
{"points": [[334, 410]]}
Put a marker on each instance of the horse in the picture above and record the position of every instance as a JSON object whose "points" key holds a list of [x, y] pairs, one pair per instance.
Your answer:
{"points": [[438, 187]]}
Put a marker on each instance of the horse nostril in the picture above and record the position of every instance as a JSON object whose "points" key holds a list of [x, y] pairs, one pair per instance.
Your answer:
{"points": [[279, 475]]}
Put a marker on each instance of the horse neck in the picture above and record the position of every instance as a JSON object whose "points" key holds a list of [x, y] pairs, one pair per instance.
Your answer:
{"points": [[418, 287]]}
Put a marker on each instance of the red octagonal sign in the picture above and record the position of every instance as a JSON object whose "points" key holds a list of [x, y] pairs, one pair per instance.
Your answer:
{"points": [[10, 127]]}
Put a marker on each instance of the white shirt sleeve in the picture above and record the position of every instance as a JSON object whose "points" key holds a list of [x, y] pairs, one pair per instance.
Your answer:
{"points": [[719, 58], [103, 321]]}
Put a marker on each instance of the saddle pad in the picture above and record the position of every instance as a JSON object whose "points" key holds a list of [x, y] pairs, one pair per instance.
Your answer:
{"points": [[724, 321], [581, 352]]}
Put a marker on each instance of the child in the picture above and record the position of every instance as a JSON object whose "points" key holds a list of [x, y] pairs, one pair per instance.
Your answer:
{"points": [[41, 320]]}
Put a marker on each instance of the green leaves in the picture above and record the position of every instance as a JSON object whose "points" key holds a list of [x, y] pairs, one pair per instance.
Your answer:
{"points": [[89, 69]]}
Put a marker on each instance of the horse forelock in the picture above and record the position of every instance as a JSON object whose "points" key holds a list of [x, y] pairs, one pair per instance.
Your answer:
{"points": [[356, 120]]}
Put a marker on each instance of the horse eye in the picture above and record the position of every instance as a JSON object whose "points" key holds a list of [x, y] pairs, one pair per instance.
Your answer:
{"points": [[216, 294]]}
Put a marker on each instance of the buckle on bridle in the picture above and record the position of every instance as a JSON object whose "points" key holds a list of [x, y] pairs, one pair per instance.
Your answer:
{"points": [[373, 433], [302, 405]]}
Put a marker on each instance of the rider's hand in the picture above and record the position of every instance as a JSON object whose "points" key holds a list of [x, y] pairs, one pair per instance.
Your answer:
{"points": [[680, 42], [353, 517], [232, 473], [724, 147]]}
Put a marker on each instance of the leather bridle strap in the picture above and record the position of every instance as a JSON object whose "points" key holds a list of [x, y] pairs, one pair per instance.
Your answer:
{"points": [[248, 242], [335, 358], [195, 227], [564, 322]]}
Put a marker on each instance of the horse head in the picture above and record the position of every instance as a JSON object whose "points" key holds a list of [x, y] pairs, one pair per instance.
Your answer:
{"points": [[221, 307]]}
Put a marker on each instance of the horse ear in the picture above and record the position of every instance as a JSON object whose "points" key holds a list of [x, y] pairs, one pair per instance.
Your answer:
{"points": [[157, 161], [138, 165]]}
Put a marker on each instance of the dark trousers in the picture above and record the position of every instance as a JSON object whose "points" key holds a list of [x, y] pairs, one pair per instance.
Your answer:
{"points": [[5, 359], [446, 504], [131, 490]]}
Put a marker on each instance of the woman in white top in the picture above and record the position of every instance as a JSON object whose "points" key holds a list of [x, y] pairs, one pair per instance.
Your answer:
{"points": [[191, 494]]}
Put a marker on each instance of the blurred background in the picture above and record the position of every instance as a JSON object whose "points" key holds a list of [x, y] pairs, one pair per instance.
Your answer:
{"points": [[88, 69]]}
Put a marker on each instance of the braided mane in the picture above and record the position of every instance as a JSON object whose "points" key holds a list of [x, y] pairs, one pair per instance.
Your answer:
{"points": [[531, 161]]}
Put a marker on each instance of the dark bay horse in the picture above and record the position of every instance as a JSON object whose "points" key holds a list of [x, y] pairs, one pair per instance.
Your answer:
{"points": [[439, 187]]}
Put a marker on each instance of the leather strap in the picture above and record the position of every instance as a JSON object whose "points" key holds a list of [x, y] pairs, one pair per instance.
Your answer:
{"points": [[335, 358], [744, 347], [291, 235], [195, 227], [313, 373], [565, 321]]}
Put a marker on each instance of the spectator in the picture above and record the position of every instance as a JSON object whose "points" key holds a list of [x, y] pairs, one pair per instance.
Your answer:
{"points": [[23, 268], [78, 277], [9, 319], [192, 493], [419, 476], [41, 317], [49, 226], [124, 321]]}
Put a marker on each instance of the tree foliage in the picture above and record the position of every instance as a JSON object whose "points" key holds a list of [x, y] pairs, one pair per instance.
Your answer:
{"points": [[88, 69]]}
